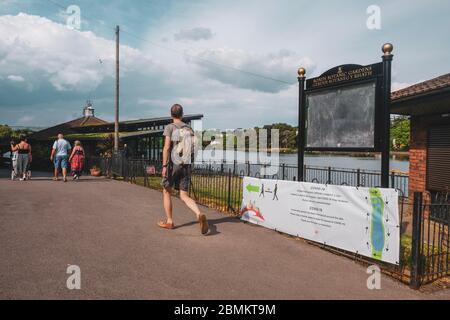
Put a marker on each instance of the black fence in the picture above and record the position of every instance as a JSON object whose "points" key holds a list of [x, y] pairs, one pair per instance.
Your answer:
{"points": [[219, 186], [325, 175], [430, 241]]}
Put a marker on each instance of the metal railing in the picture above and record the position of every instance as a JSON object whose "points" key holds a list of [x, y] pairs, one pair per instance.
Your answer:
{"points": [[430, 240], [211, 180], [324, 175]]}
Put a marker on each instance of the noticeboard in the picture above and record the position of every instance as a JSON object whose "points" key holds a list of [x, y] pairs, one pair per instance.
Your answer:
{"points": [[343, 108]]}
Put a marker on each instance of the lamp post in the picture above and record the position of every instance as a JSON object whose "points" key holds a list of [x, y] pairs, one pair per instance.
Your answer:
{"points": [[301, 124], [116, 113]]}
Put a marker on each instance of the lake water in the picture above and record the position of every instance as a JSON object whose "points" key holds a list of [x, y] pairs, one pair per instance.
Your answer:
{"points": [[335, 161]]}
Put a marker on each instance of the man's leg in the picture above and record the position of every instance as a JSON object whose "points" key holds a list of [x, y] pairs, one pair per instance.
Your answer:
{"points": [[184, 196], [167, 198], [56, 164], [204, 226], [64, 163]]}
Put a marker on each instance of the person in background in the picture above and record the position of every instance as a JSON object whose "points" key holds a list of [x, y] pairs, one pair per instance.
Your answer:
{"points": [[30, 160], [126, 151], [59, 156], [13, 160], [76, 160], [177, 175], [23, 149]]}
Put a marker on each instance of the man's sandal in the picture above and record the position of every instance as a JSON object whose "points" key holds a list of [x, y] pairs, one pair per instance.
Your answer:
{"points": [[204, 227], [163, 224]]}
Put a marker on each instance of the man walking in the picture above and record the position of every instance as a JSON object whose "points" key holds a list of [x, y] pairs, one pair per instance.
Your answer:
{"points": [[178, 152], [60, 156]]}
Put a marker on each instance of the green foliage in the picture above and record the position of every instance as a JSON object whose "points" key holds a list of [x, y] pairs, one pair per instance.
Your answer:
{"points": [[6, 133], [106, 145], [287, 135], [400, 133]]}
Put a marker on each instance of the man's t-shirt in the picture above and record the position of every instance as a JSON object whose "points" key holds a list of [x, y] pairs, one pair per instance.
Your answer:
{"points": [[170, 128], [62, 146], [172, 131]]}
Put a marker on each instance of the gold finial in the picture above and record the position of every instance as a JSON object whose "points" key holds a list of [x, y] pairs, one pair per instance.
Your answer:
{"points": [[301, 72], [388, 48]]}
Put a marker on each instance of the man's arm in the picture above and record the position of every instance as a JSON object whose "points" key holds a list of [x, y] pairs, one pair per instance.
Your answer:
{"points": [[69, 148], [166, 155], [52, 155]]}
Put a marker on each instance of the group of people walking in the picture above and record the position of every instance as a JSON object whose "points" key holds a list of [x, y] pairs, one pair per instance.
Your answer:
{"points": [[61, 159], [178, 154], [21, 158], [62, 155]]}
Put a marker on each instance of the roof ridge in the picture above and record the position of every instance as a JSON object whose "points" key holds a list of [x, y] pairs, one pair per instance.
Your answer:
{"points": [[423, 87]]}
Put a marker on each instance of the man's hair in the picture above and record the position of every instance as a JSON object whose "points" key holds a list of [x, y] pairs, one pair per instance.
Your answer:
{"points": [[176, 111]]}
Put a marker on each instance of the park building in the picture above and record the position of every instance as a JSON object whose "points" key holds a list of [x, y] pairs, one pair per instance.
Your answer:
{"points": [[428, 106], [144, 137]]}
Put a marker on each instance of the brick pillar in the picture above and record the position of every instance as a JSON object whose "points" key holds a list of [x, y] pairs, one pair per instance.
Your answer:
{"points": [[418, 156]]}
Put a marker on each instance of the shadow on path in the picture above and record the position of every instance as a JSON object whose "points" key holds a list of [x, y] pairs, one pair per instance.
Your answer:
{"points": [[212, 224]]}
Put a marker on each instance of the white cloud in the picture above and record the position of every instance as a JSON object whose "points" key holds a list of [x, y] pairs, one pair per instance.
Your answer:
{"points": [[15, 78], [194, 34], [62, 69], [399, 85], [67, 59], [25, 120], [281, 66], [402, 85]]}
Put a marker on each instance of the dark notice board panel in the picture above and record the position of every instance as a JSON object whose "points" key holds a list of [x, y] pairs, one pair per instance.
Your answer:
{"points": [[342, 118], [343, 109]]}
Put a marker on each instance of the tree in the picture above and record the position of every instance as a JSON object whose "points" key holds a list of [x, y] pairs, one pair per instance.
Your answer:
{"points": [[287, 135], [6, 133], [400, 134]]}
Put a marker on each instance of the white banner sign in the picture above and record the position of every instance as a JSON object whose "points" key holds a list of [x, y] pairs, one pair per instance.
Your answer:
{"points": [[361, 220]]}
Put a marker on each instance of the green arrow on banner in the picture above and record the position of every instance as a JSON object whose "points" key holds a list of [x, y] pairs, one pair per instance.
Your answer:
{"points": [[252, 188]]}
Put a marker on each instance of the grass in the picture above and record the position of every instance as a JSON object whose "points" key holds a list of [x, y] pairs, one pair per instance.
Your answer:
{"points": [[211, 191], [426, 259]]}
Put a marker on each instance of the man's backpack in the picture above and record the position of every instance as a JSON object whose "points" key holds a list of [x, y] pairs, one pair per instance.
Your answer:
{"points": [[183, 145]]}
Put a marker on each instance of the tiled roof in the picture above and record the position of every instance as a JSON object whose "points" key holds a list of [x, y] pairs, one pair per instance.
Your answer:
{"points": [[425, 87], [67, 127], [163, 120]]}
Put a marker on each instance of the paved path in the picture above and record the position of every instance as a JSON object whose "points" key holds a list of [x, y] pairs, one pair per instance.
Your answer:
{"points": [[108, 228]]}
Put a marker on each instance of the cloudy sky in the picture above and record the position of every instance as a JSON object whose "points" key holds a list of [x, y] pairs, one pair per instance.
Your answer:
{"points": [[235, 61]]}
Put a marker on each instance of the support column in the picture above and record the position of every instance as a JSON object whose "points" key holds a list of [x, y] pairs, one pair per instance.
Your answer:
{"points": [[301, 124], [386, 114]]}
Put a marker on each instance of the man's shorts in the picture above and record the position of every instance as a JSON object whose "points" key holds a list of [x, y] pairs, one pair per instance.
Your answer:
{"points": [[61, 162], [178, 177]]}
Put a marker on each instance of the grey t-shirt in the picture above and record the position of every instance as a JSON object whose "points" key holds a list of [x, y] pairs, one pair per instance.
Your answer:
{"points": [[171, 131], [61, 146], [170, 128]]}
